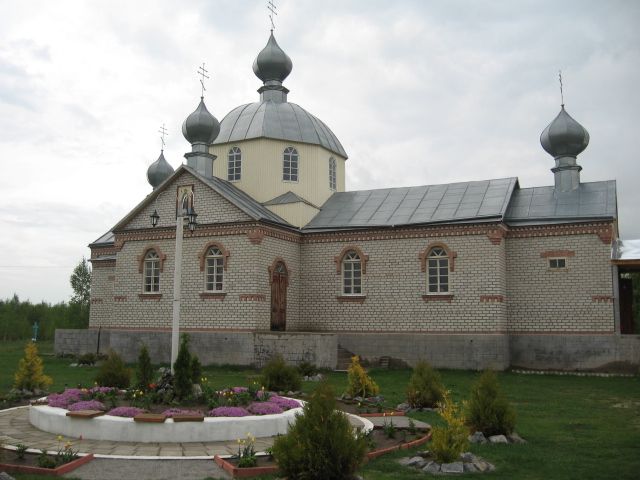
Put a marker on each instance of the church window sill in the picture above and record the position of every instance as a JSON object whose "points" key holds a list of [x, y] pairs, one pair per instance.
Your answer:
{"points": [[351, 298], [213, 295], [438, 297], [149, 296]]}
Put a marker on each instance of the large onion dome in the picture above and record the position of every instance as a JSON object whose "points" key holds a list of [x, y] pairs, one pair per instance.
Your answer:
{"points": [[200, 126], [159, 171], [564, 137], [272, 64]]}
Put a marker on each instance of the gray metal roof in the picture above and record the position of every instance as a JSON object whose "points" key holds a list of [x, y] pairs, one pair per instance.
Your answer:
{"points": [[106, 239], [287, 198], [450, 203], [280, 121], [538, 205]]}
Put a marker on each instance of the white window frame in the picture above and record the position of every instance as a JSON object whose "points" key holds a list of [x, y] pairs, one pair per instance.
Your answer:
{"points": [[290, 165], [438, 260], [214, 268], [557, 267], [151, 272], [234, 164], [333, 178], [352, 274]]}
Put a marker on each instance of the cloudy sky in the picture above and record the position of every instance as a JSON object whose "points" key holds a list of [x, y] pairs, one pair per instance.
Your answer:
{"points": [[446, 90]]}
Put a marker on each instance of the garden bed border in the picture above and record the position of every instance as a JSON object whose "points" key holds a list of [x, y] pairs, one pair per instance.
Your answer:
{"points": [[61, 470]]}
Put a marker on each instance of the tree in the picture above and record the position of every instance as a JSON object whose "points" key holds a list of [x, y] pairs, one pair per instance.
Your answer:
{"points": [[81, 283], [30, 374]]}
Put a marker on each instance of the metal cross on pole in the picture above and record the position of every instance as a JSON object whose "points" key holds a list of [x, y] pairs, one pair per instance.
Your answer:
{"points": [[163, 133], [272, 11], [561, 94], [203, 74]]}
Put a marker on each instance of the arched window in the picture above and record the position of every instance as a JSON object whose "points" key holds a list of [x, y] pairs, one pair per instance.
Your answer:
{"points": [[214, 270], [151, 272], [290, 165], [234, 165], [437, 271], [332, 173], [351, 274]]}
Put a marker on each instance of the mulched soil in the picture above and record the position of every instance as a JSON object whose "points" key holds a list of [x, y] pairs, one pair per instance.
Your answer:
{"points": [[29, 460]]}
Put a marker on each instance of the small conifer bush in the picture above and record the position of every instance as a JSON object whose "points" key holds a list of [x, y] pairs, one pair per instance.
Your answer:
{"points": [[450, 440], [360, 384], [113, 372], [30, 374], [182, 370], [488, 410], [144, 370], [196, 369], [280, 377], [321, 444], [425, 388]]}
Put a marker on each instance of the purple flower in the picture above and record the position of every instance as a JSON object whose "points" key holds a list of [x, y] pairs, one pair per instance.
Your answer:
{"points": [[129, 412], [284, 403], [87, 405], [239, 389], [264, 408], [172, 412], [66, 398], [105, 390], [228, 412]]}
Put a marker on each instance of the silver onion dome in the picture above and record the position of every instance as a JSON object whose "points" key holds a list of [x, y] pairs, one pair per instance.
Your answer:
{"points": [[200, 126], [159, 171], [272, 64], [564, 137]]}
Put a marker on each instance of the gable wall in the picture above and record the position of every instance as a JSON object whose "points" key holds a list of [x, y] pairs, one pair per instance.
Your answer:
{"points": [[102, 282]]}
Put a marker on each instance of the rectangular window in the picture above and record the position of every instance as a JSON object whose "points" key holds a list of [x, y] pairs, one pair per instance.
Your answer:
{"points": [[151, 277], [557, 263], [215, 274]]}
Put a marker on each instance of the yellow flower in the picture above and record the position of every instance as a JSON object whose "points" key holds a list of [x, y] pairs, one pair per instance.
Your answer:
{"points": [[59, 438]]}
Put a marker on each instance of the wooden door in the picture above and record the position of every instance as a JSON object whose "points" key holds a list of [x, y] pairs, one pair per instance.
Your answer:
{"points": [[279, 283], [626, 305]]}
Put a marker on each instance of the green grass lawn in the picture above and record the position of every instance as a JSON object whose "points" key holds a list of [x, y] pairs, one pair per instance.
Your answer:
{"points": [[576, 427]]}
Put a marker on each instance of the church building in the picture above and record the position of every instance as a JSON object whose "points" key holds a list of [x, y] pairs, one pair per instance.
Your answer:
{"points": [[278, 257]]}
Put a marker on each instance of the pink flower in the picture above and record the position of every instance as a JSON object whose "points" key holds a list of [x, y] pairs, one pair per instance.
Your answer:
{"points": [[264, 408], [172, 412], [228, 412], [128, 412], [284, 403], [87, 405]]}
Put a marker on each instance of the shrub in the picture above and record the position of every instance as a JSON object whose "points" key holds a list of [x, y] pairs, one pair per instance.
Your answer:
{"points": [[321, 444], [360, 384], [425, 388], [87, 359], [196, 370], [30, 374], [182, 370], [280, 377], [307, 369], [144, 370], [450, 440], [113, 372], [488, 410]]}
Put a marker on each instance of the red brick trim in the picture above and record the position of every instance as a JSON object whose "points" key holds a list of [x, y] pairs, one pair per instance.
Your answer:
{"points": [[631, 263], [491, 298], [595, 228], [203, 254], [496, 235], [147, 249], [351, 298], [557, 253], [95, 263], [606, 236], [424, 255], [339, 258], [438, 297], [120, 298], [255, 236], [271, 269], [252, 297], [97, 251], [601, 298], [149, 296], [213, 296], [96, 300]]}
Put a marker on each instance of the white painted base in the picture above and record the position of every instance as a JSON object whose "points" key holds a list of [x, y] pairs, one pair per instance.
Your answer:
{"points": [[120, 429]]}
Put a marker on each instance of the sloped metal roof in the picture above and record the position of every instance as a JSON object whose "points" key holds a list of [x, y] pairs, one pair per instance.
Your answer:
{"points": [[106, 239], [280, 121], [449, 203], [538, 205], [287, 198]]}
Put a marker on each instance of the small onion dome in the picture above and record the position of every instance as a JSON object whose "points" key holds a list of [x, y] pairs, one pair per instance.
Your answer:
{"points": [[201, 126], [159, 171], [272, 63], [564, 137]]}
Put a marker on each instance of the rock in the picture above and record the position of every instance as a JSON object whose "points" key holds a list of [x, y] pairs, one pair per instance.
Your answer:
{"points": [[455, 467], [469, 467], [481, 465], [417, 462], [5, 476], [358, 399], [478, 437], [498, 439], [515, 438], [196, 390], [73, 365], [403, 407], [431, 467], [467, 457]]}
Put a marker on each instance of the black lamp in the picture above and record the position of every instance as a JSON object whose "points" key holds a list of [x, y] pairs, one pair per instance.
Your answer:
{"points": [[154, 218], [191, 215]]}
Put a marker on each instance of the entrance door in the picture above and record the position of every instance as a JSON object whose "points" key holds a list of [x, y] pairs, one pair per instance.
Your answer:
{"points": [[279, 283], [626, 305]]}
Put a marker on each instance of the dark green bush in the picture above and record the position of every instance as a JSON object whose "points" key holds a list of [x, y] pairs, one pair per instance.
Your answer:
{"points": [[321, 444], [196, 369], [425, 388], [113, 372], [307, 369], [144, 370], [488, 410], [182, 370], [280, 377], [87, 359]]}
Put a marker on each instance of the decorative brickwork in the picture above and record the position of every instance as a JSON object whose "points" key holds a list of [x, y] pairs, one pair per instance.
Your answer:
{"points": [[351, 298], [103, 263], [142, 257], [438, 297], [602, 298], [491, 298], [202, 256], [496, 235], [558, 253], [255, 236], [423, 255], [351, 248], [120, 298], [252, 297], [149, 296]]}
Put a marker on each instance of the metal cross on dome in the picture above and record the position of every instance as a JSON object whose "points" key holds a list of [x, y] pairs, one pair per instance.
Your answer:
{"points": [[163, 133], [203, 74], [561, 93], [272, 11]]}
